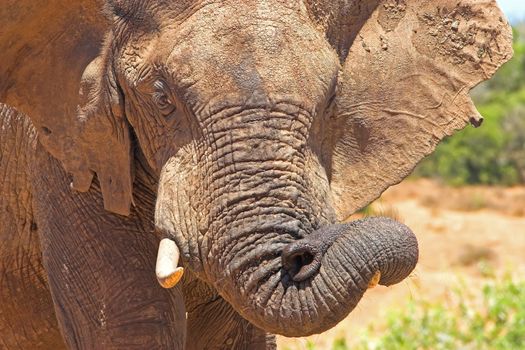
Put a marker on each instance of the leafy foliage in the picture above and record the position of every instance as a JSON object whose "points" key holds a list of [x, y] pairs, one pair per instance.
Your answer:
{"points": [[494, 320], [495, 152], [497, 323]]}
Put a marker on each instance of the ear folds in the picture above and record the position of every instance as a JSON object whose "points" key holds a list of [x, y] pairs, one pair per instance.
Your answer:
{"points": [[100, 139], [44, 87], [405, 86]]}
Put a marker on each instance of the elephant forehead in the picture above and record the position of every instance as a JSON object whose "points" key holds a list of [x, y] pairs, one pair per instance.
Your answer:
{"points": [[227, 49]]}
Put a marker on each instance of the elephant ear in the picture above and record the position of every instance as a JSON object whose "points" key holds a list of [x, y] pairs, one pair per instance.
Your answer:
{"points": [[101, 138], [340, 20], [45, 47], [405, 86]]}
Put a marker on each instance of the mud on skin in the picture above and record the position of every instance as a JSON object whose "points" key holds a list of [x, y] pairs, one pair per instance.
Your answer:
{"points": [[242, 131]]}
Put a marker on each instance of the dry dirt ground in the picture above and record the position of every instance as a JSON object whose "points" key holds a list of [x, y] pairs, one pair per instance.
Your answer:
{"points": [[461, 233]]}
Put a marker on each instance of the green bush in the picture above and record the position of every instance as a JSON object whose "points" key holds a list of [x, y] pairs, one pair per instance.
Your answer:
{"points": [[514, 126], [494, 321], [490, 319], [493, 154]]}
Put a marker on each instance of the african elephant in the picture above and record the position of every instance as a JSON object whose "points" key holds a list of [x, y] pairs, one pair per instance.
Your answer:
{"points": [[238, 133]]}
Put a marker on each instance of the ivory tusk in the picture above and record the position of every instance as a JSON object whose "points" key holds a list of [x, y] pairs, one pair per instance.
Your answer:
{"points": [[375, 280], [167, 270]]}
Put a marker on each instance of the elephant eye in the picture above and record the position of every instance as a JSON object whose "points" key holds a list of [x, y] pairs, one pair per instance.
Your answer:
{"points": [[162, 100]]}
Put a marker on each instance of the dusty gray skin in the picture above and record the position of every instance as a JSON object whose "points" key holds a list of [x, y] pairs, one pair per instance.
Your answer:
{"points": [[395, 257], [243, 130]]}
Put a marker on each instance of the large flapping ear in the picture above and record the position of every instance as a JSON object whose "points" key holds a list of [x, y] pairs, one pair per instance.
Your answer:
{"points": [[45, 47], [404, 87]]}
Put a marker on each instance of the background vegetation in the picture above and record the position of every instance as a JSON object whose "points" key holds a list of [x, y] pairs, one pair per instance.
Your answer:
{"points": [[493, 154], [497, 323]]}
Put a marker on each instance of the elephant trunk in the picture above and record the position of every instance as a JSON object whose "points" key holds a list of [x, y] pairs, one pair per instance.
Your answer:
{"points": [[247, 219], [319, 279]]}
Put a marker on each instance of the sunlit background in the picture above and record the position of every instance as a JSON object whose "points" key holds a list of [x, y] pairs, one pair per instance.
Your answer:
{"points": [[514, 9], [466, 204]]}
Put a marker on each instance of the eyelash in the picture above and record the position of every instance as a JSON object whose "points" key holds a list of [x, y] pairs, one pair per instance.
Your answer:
{"points": [[162, 100]]}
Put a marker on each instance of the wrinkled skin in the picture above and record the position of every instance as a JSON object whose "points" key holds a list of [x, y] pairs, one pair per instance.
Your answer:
{"points": [[245, 132]]}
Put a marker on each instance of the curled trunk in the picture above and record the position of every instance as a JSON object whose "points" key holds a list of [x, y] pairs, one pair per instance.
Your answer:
{"points": [[317, 281]]}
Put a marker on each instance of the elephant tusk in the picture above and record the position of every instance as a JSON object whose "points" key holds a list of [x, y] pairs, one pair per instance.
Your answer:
{"points": [[375, 280], [167, 270]]}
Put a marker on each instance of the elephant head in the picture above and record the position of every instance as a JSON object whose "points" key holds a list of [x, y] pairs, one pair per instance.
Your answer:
{"points": [[267, 123]]}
